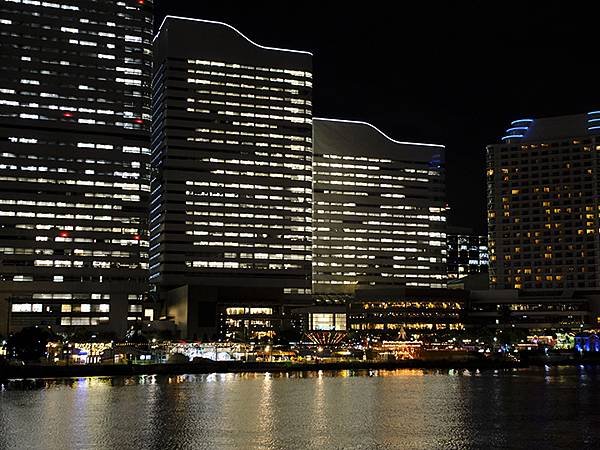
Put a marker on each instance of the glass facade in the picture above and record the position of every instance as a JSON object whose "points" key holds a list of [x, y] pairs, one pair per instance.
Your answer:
{"points": [[74, 159], [467, 255], [232, 155], [379, 212], [413, 313]]}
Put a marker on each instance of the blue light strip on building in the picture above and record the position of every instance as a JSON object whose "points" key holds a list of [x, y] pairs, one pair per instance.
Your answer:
{"points": [[520, 121], [514, 136]]}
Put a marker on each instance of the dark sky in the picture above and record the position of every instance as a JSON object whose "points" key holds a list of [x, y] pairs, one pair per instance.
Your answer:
{"points": [[447, 72]]}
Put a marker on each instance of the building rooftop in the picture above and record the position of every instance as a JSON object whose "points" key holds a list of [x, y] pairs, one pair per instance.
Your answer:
{"points": [[553, 128]]}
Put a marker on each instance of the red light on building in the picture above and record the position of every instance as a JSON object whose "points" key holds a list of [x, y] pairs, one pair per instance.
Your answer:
{"points": [[136, 237], [141, 2], [138, 121], [67, 114], [63, 234]]}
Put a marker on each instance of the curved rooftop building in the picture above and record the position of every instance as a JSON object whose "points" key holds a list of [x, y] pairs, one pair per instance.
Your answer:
{"points": [[543, 208], [379, 214], [231, 191], [553, 128]]}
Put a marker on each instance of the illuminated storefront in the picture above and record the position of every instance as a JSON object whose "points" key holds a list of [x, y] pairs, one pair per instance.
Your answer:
{"points": [[407, 313]]}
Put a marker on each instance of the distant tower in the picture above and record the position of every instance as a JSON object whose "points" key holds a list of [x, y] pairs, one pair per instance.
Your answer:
{"points": [[543, 204], [467, 253]]}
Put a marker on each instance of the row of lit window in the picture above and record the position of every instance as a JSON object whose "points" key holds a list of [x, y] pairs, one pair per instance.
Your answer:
{"points": [[406, 326], [251, 236], [254, 225], [269, 99], [65, 205], [239, 244], [369, 255], [85, 321], [122, 242], [257, 144], [78, 252], [239, 311], [82, 264], [69, 111], [257, 87], [68, 216], [46, 169], [292, 110], [323, 284], [304, 189], [290, 218], [376, 271], [257, 216], [365, 167], [98, 146], [322, 256], [66, 307], [292, 119], [378, 266], [123, 186], [297, 73], [132, 164], [218, 204], [48, 5], [236, 265], [357, 214], [253, 77], [282, 256], [365, 175], [126, 125]]}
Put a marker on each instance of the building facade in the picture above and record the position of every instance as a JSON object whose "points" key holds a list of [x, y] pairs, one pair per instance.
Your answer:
{"points": [[231, 187], [467, 253], [538, 310], [543, 204], [407, 313], [74, 162], [379, 214]]}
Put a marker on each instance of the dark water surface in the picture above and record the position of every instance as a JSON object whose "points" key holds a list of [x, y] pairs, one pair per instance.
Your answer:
{"points": [[541, 408]]}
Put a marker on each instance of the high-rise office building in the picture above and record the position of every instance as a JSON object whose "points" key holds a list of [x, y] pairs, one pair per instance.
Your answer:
{"points": [[467, 253], [543, 204], [231, 191], [379, 214], [74, 162]]}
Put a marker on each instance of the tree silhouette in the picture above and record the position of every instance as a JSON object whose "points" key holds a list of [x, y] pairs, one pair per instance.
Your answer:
{"points": [[29, 344]]}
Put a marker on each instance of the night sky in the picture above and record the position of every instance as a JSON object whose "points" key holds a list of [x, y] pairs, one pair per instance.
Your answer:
{"points": [[438, 72]]}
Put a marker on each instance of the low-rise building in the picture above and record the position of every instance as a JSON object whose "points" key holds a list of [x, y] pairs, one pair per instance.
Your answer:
{"points": [[535, 309], [407, 313]]}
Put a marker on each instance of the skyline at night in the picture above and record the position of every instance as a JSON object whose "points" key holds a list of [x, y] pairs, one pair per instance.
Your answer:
{"points": [[276, 225], [452, 74]]}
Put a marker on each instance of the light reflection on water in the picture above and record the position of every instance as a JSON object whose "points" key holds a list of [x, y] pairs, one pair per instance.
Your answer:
{"points": [[544, 407]]}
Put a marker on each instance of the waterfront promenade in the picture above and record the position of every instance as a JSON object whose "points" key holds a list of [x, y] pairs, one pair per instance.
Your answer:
{"points": [[83, 370]]}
